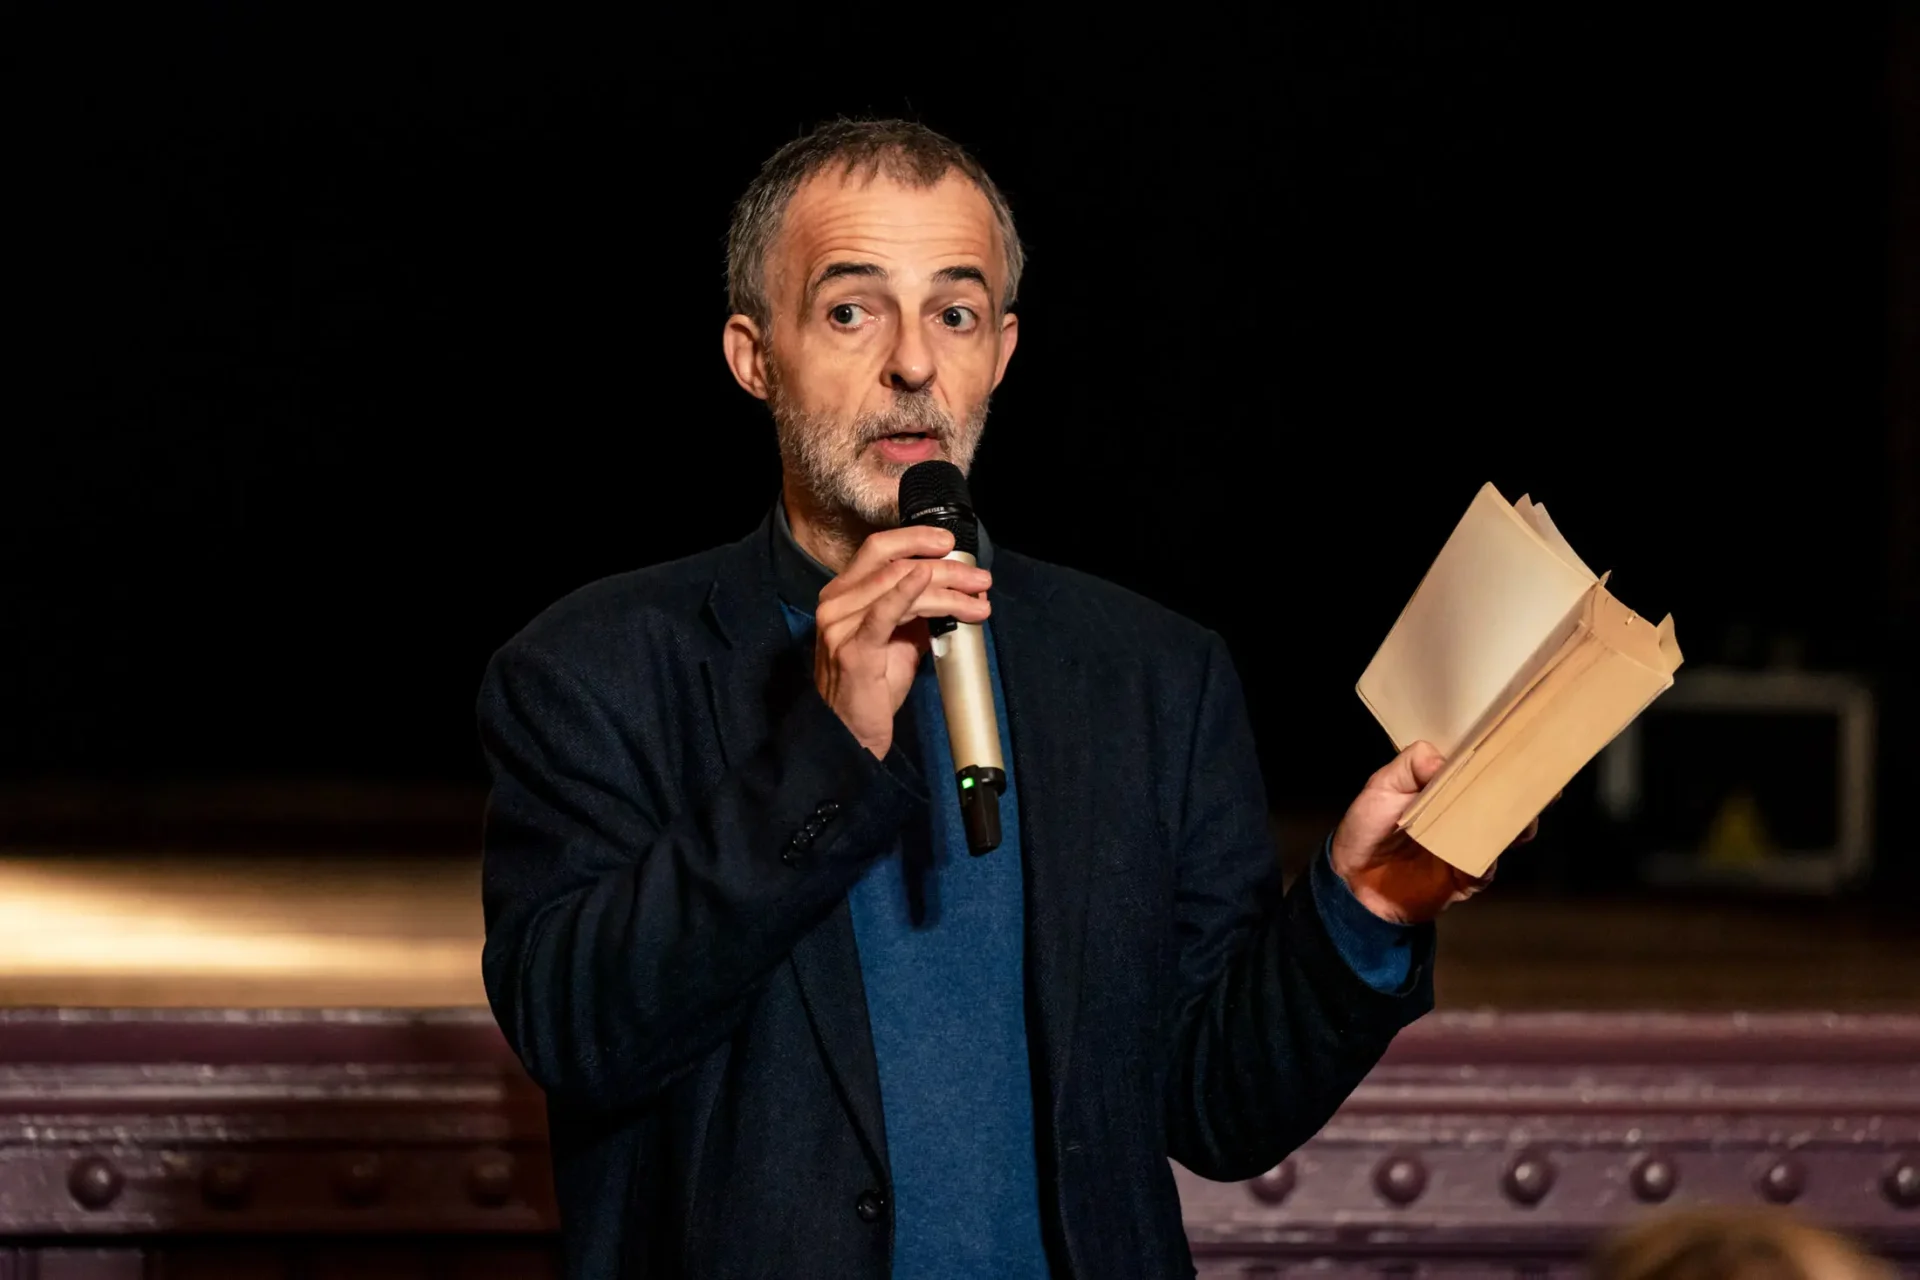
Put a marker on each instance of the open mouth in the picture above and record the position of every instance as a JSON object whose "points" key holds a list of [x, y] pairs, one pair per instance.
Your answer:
{"points": [[908, 446]]}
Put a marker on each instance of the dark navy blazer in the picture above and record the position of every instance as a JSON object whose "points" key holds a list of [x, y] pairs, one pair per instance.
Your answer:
{"points": [[678, 972]]}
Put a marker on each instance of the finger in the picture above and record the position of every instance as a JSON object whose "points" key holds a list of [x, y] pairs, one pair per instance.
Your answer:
{"points": [[830, 638], [895, 607], [846, 596], [961, 577], [922, 540], [1466, 885], [1412, 769], [936, 603], [840, 621], [954, 579], [1532, 830], [931, 602]]}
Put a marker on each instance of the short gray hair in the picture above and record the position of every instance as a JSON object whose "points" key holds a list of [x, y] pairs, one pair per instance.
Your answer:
{"points": [[905, 151]]}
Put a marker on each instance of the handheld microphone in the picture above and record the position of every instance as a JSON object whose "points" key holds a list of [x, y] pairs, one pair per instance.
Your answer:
{"points": [[935, 493]]}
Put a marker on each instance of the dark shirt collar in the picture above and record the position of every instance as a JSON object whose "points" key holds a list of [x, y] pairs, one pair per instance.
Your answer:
{"points": [[799, 577]]}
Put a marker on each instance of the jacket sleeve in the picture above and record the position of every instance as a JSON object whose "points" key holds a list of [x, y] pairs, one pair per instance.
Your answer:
{"points": [[625, 939], [1272, 1028]]}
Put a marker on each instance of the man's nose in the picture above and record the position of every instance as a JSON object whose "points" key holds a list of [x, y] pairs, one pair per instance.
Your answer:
{"points": [[910, 364]]}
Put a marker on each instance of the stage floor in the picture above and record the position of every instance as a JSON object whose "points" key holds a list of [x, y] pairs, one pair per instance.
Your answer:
{"points": [[364, 930]]}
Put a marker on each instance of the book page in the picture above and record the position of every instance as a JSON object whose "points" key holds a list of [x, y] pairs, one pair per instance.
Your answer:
{"points": [[1560, 724], [1485, 613], [1601, 624], [1535, 514]]}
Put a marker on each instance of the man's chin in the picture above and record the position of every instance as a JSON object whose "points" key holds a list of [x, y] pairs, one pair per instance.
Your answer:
{"points": [[870, 489]]}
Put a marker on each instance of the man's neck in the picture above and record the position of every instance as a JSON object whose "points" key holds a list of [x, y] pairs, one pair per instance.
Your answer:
{"points": [[830, 537]]}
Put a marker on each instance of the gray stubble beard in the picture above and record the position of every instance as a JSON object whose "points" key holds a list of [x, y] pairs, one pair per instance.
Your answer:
{"points": [[826, 455]]}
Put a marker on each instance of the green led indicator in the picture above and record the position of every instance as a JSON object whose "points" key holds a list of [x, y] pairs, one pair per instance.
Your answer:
{"points": [[966, 784]]}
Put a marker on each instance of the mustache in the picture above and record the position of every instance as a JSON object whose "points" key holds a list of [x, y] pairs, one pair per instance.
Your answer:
{"points": [[906, 417]]}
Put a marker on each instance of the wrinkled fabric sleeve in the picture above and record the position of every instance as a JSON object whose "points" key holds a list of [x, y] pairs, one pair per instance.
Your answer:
{"points": [[1272, 1027]]}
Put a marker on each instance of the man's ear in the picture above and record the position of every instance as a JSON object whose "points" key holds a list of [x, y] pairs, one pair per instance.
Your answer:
{"points": [[1009, 339], [746, 353]]}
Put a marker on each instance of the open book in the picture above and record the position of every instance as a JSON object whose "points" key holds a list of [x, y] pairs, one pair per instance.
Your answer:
{"points": [[1519, 665]]}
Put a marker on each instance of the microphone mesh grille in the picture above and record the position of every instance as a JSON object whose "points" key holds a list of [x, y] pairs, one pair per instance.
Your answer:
{"points": [[936, 493]]}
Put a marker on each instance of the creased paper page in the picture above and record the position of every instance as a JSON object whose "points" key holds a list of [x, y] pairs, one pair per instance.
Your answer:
{"points": [[1491, 600], [1669, 647], [1513, 700], [1535, 514]]}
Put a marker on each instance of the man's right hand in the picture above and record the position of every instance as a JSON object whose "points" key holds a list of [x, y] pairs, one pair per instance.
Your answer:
{"points": [[870, 628]]}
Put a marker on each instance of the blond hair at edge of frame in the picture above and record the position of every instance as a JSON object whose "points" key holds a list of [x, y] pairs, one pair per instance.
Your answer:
{"points": [[1733, 1244]]}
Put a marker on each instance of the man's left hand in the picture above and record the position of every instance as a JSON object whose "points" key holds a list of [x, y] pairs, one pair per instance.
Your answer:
{"points": [[1394, 877]]}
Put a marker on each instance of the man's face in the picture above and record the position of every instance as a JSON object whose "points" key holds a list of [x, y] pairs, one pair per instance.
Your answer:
{"points": [[886, 341]]}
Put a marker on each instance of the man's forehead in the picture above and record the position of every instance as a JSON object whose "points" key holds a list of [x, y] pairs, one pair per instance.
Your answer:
{"points": [[877, 216]]}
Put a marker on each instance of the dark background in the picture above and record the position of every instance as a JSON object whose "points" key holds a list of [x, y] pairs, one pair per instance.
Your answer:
{"points": [[351, 344]]}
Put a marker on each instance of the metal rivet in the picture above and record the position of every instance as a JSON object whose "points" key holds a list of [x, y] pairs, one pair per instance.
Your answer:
{"points": [[94, 1183], [490, 1179], [1654, 1179], [1400, 1179], [1784, 1180], [360, 1180], [1275, 1185], [226, 1183], [1529, 1177], [1902, 1183]]}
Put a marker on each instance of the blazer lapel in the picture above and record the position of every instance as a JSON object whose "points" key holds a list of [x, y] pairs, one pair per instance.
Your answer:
{"points": [[1048, 693], [749, 683]]}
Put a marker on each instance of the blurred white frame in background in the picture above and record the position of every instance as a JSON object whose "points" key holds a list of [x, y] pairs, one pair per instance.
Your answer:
{"points": [[1620, 781]]}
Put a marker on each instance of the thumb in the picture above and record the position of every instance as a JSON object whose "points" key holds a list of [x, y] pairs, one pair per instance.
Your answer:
{"points": [[1413, 768]]}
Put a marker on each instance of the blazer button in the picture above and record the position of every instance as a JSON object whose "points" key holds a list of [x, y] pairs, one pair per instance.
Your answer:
{"points": [[869, 1206]]}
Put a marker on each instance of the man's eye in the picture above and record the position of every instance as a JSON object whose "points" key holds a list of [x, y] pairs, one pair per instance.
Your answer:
{"points": [[959, 319], [847, 314]]}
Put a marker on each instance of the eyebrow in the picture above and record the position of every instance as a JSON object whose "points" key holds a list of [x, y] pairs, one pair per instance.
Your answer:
{"points": [[955, 275], [839, 270], [874, 271]]}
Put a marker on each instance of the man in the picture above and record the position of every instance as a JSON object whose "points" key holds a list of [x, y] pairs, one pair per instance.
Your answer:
{"points": [[786, 1025]]}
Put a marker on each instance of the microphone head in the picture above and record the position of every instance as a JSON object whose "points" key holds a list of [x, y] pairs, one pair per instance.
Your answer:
{"points": [[935, 493]]}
